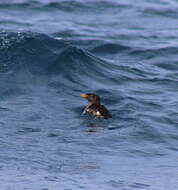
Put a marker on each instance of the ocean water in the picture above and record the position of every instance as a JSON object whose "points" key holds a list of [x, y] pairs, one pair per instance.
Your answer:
{"points": [[125, 51]]}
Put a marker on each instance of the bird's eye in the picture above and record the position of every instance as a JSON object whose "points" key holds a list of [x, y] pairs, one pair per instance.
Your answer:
{"points": [[91, 97]]}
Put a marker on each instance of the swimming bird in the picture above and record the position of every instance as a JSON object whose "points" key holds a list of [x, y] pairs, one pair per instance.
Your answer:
{"points": [[94, 106]]}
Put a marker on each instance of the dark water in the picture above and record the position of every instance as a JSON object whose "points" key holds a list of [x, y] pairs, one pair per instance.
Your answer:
{"points": [[51, 51]]}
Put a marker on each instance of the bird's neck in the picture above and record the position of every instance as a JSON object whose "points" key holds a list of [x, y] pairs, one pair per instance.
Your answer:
{"points": [[93, 103]]}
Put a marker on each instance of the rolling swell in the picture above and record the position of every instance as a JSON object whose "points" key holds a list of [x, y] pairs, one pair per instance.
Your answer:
{"points": [[33, 55], [63, 5], [37, 55]]}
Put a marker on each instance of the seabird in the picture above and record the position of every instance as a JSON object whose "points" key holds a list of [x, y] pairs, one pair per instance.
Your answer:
{"points": [[94, 106]]}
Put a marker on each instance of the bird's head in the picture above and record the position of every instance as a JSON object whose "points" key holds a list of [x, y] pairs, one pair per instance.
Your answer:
{"points": [[92, 98]]}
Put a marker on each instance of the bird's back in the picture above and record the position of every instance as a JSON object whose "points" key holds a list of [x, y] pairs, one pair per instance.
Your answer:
{"points": [[99, 111], [104, 112]]}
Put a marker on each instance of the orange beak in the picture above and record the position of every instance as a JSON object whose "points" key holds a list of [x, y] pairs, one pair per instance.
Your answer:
{"points": [[84, 96]]}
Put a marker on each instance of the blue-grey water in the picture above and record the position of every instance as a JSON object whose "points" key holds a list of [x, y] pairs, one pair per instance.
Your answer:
{"points": [[125, 51]]}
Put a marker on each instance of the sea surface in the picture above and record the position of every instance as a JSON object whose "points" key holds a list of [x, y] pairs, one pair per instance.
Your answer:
{"points": [[126, 51]]}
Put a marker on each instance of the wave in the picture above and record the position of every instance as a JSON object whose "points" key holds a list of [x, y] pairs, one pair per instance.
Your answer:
{"points": [[110, 48], [33, 54], [154, 52], [68, 6], [27, 55], [164, 12]]}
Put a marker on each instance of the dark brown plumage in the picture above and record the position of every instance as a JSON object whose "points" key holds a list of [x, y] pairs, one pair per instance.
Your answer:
{"points": [[94, 107]]}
